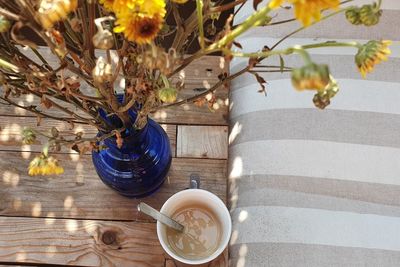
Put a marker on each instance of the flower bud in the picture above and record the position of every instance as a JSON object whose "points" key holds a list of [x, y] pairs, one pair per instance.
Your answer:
{"points": [[103, 40], [370, 14], [168, 95], [102, 72], [353, 16], [311, 77], [52, 11], [28, 136]]}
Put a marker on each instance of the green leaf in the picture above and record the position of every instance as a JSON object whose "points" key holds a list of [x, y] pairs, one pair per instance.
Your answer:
{"points": [[281, 63]]}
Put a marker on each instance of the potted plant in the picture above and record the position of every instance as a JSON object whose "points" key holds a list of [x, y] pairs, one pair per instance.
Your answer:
{"points": [[94, 43]]}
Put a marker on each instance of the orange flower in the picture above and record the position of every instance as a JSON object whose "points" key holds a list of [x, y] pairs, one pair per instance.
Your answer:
{"points": [[371, 54], [139, 29], [108, 4], [307, 10]]}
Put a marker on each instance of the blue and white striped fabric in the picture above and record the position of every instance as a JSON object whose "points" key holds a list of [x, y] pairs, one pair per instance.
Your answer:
{"points": [[311, 187]]}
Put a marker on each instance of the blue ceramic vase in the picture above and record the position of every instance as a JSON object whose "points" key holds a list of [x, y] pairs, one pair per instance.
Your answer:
{"points": [[140, 166]]}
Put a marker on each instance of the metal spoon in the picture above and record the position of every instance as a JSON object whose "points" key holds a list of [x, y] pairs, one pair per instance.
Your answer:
{"points": [[162, 218]]}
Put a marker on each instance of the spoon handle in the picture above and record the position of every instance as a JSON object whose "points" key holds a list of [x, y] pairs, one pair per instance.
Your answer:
{"points": [[155, 214]]}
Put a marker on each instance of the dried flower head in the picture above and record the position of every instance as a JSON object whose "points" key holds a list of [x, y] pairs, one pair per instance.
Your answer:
{"points": [[52, 11], [307, 10], [102, 72], [370, 14], [44, 165], [370, 54], [312, 77], [323, 98], [157, 58], [103, 39]]}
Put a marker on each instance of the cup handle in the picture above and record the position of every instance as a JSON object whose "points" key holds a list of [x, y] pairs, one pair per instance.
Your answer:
{"points": [[194, 181]]}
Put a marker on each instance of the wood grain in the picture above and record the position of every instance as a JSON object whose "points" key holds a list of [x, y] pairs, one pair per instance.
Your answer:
{"points": [[202, 142], [79, 193], [11, 139], [79, 242]]}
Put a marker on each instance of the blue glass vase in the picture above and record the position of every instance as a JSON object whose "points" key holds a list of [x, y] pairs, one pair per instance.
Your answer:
{"points": [[140, 166]]}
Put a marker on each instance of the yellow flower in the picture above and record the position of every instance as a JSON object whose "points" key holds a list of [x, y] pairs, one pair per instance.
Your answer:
{"points": [[139, 29], [371, 54], [139, 20], [179, 1], [307, 10], [43, 165], [147, 8], [52, 11], [108, 4]]}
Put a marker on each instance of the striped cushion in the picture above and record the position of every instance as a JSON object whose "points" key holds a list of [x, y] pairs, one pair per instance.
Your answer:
{"points": [[311, 187]]}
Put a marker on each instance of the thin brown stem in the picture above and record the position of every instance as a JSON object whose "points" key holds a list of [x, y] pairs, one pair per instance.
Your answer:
{"points": [[225, 7], [203, 94], [42, 114], [9, 14]]}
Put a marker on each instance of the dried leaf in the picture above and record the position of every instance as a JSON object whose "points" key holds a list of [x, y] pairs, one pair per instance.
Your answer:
{"points": [[85, 148], [237, 45], [261, 81], [38, 120], [75, 148], [58, 147], [256, 3], [253, 61], [281, 63], [200, 102], [259, 78], [54, 132], [119, 139], [7, 91], [45, 102]]}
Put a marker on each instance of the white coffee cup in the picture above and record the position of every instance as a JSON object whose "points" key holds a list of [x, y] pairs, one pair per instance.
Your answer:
{"points": [[203, 198]]}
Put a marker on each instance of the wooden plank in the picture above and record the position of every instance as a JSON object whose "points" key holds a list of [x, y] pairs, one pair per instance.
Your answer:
{"points": [[79, 242], [200, 74], [79, 193], [202, 142], [10, 133]]}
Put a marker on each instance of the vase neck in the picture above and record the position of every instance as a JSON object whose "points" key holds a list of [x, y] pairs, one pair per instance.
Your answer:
{"points": [[132, 138]]}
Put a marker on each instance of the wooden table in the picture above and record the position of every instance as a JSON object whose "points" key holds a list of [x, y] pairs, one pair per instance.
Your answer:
{"points": [[74, 219]]}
